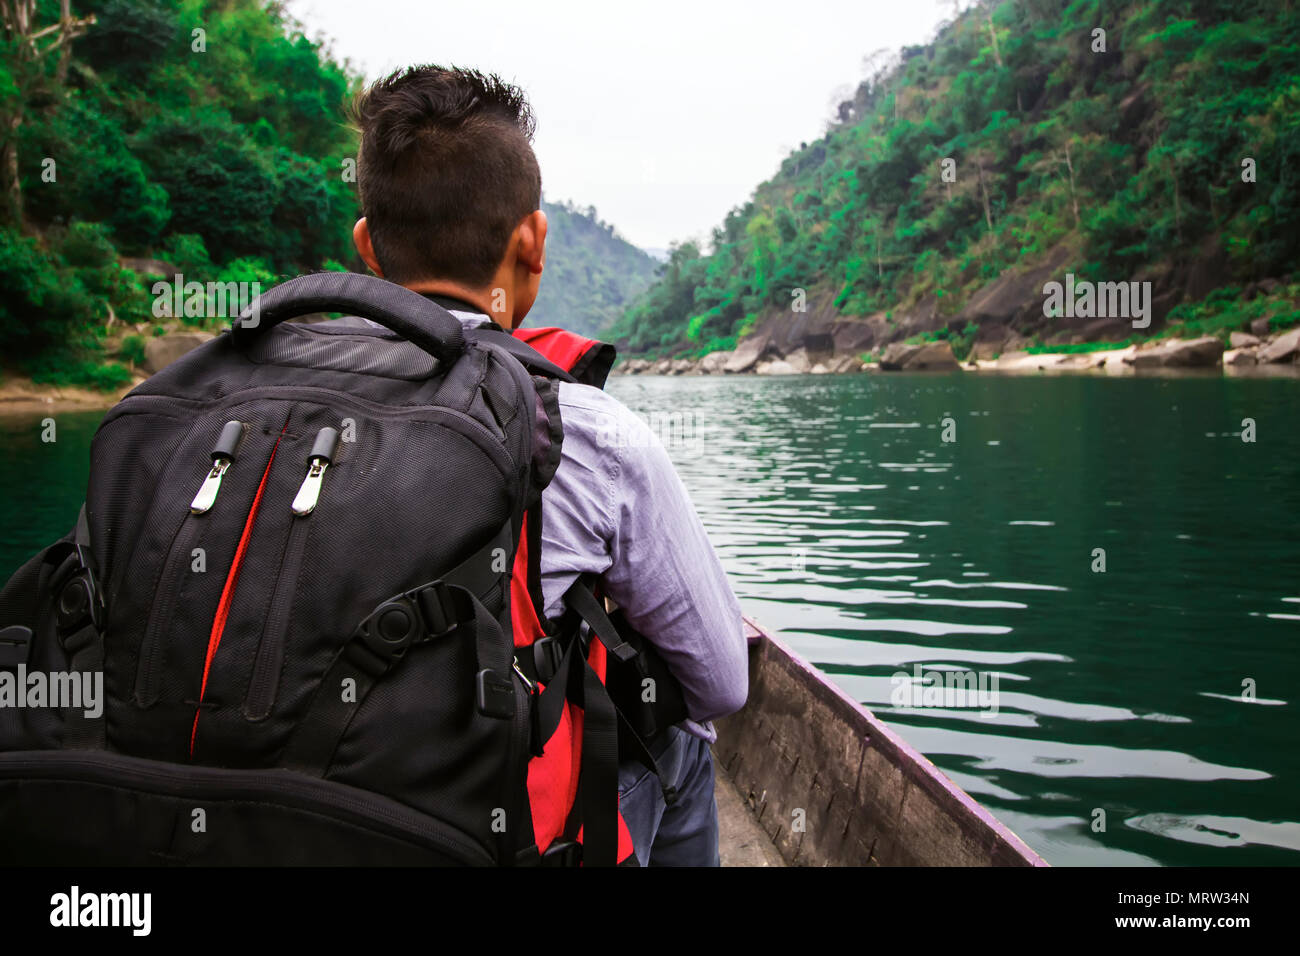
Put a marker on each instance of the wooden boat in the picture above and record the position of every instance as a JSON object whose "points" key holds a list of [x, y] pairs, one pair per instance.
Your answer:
{"points": [[806, 776]]}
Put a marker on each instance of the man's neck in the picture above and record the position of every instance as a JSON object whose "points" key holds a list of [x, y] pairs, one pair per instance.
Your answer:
{"points": [[465, 298]]}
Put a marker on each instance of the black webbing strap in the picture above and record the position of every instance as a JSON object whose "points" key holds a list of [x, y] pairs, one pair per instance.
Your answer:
{"points": [[598, 778], [378, 644], [79, 616], [596, 809], [550, 703], [550, 708], [642, 755], [581, 599]]}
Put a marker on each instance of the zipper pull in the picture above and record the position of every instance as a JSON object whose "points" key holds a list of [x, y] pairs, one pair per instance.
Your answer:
{"points": [[322, 452], [519, 671], [222, 457]]}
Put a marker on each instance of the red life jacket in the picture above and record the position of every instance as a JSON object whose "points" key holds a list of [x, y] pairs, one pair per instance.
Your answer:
{"points": [[587, 360], [553, 777]]}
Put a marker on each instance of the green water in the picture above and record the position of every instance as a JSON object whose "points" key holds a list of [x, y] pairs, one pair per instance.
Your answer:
{"points": [[872, 545]]}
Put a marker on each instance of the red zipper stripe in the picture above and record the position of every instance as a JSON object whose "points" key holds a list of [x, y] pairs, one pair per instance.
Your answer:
{"points": [[228, 592]]}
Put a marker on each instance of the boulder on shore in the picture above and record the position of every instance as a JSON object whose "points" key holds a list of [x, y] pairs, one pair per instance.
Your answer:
{"points": [[775, 367], [844, 363], [1205, 352], [853, 335], [715, 363], [1284, 348], [1242, 340], [928, 357], [161, 351], [748, 353], [800, 361], [1015, 297], [630, 367]]}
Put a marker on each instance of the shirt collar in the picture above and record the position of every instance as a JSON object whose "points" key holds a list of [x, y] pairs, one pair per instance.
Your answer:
{"points": [[470, 315]]}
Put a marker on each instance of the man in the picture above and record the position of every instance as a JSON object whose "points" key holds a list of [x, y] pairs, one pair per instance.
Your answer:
{"points": [[450, 193]]}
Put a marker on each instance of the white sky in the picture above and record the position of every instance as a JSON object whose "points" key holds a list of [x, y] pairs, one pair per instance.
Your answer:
{"points": [[663, 115]]}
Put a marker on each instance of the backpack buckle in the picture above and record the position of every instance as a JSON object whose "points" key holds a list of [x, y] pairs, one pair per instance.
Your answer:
{"points": [[78, 603], [15, 645], [424, 614], [386, 634], [436, 608], [495, 695], [563, 853], [546, 658]]}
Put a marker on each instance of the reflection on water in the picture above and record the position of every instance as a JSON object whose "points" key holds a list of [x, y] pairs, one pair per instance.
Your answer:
{"points": [[1110, 551]]}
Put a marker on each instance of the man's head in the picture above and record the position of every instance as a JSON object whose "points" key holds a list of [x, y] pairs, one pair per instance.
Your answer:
{"points": [[450, 188]]}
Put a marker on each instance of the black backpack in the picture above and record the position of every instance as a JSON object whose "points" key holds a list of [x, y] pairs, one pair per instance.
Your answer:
{"points": [[293, 570]]}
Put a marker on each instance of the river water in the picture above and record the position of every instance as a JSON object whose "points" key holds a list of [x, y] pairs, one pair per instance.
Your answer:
{"points": [[1140, 714], [872, 545]]}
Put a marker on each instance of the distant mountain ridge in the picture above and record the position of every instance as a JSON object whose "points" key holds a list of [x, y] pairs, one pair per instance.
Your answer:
{"points": [[592, 273]]}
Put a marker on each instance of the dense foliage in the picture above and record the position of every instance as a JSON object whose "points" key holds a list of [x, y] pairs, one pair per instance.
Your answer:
{"points": [[207, 134], [1130, 157]]}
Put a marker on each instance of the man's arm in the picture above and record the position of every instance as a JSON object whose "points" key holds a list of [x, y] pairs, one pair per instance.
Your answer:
{"points": [[663, 571]]}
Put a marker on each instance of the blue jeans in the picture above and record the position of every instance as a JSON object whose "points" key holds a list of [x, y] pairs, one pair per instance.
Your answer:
{"points": [[685, 834]]}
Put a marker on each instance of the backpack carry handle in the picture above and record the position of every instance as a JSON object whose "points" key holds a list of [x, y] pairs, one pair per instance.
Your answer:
{"points": [[409, 314]]}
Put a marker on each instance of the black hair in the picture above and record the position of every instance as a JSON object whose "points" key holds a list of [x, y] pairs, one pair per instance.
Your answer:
{"points": [[446, 171]]}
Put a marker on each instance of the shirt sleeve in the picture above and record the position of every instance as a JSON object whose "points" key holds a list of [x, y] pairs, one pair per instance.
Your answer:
{"points": [[664, 574]]}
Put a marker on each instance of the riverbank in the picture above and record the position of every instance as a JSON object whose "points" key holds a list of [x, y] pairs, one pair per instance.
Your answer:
{"points": [[1244, 354], [22, 396]]}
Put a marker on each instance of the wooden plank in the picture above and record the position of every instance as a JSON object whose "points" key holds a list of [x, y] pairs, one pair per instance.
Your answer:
{"points": [[741, 841], [830, 785]]}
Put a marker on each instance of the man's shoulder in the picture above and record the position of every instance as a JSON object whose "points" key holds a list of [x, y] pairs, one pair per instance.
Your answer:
{"points": [[590, 403], [592, 416], [576, 395]]}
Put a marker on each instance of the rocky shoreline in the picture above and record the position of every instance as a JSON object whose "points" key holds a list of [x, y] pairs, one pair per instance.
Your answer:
{"points": [[1246, 354], [1279, 353]]}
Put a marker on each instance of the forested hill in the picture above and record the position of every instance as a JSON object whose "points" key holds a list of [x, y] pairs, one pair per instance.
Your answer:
{"points": [[1121, 140], [592, 274], [205, 137]]}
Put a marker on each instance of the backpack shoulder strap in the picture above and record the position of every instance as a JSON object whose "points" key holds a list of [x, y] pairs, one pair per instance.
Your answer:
{"points": [[528, 356]]}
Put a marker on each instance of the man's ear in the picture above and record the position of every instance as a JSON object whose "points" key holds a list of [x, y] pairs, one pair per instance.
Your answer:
{"points": [[531, 251], [361, 237]]}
